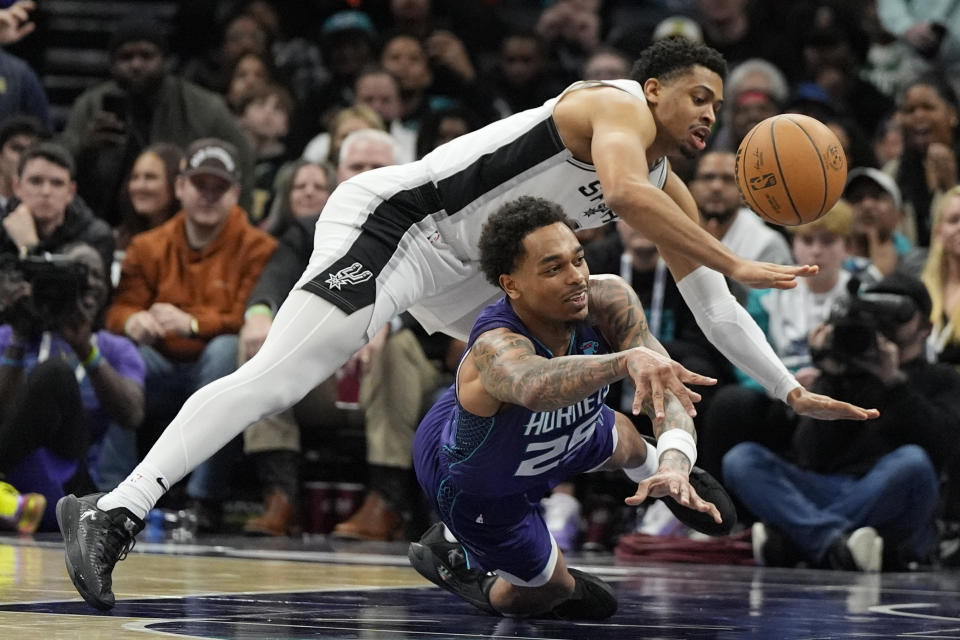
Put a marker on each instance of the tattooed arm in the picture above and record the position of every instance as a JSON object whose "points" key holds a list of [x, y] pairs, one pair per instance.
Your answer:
{"points": [[502, 368], [616, 310]]}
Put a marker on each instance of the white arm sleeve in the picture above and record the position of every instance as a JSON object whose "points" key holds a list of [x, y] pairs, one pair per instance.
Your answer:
{"points": [[733, 331]]}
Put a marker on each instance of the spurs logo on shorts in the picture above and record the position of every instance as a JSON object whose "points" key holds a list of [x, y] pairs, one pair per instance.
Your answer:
{"points": [[354, 274]]}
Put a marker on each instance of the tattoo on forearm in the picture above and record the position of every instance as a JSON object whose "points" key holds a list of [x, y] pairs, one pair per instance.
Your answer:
{"points": [[616, 309], [511, 371]]}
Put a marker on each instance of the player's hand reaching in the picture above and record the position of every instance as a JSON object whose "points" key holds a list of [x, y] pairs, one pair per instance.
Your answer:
{"points": [[653, 374], [674, 483], [821, 407], [767, 275]]}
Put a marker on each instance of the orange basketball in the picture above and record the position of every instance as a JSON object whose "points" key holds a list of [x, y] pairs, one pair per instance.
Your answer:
{"points": [[791, 169]]}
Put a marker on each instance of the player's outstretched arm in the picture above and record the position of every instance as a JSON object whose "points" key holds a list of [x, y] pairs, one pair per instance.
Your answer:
{"points": [[503, 367], [616, 310]]}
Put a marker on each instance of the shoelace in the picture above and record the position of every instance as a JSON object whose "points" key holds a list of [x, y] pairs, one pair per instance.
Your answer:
{"points": [[116, 545]]}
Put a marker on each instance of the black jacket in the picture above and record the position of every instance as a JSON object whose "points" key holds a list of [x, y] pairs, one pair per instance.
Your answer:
{"points": [[79, 225]]}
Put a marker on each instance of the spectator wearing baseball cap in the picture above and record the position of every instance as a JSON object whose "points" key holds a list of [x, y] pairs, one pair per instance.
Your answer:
{"points": [[111, 123], [182, 293], [877, 247]]}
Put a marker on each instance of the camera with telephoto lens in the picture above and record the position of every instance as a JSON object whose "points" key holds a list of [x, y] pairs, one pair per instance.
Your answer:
{"points": [[56, 284], [857, 319]]}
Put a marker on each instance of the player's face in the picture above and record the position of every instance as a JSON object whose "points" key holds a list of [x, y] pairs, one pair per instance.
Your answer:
{"points": [[686, 109], [553, 275]]}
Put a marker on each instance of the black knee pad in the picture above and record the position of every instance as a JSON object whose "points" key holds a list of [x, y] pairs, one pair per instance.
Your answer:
{"points": [[592, 599]]}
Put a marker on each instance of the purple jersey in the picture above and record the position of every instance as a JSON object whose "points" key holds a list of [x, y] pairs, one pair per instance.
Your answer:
{"points": [[519, 450]]}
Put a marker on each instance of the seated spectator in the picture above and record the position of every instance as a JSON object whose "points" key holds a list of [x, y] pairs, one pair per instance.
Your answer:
{"points": [[942, 277], [745, 412], [63, 380], [112, 122], [264, 114], [46, 213], [325, 147], [379, 89], [606, 63], [860, 496], [714, 187], [941, 274], [928, 113], [181, 297], [302, 189], [877, 248], [17, 133], [443, 126], [251, 73], [151, 197], [756, 90], [521, 79]]}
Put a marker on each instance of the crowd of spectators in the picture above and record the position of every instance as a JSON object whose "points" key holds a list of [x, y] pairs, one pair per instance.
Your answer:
{"points": [[147, 242]]}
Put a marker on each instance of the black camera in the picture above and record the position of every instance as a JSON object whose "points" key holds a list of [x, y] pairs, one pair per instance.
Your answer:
{"points": [[857, 319], [56, 283]]}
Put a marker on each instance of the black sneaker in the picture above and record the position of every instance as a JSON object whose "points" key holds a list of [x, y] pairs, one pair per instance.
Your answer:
{"points": [[711, 490], [94, 540], [771, 548], [445, 565], [592, 599]]}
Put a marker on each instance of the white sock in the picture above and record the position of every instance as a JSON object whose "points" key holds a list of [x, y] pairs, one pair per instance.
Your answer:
{"points": [[649, 466], [138, 493], [448, 535]]}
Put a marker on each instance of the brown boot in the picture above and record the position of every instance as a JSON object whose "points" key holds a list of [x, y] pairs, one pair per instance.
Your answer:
{"points": [[374, 520], [278, 517]]}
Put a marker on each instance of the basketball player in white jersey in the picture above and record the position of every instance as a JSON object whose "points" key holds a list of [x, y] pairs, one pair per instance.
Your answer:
{"points": [[405, 238]]}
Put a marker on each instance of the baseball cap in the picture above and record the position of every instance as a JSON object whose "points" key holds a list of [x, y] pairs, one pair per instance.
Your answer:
{"points": [[213, 156], [908, 286], [678, 27], [878, 177], [348, 21]]}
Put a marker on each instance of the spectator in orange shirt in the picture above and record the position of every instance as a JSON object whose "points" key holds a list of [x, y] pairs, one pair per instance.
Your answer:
{"points": [[182, 294]]}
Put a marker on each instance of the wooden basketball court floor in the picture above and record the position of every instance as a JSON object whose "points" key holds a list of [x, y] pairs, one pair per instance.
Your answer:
{"points": [[233, 588]]}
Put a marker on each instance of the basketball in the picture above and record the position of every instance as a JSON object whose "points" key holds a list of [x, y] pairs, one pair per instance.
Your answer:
{"points": [[791, 169]]}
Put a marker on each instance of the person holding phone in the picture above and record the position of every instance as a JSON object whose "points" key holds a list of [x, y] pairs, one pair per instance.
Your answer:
{"points": [[111, 123]]}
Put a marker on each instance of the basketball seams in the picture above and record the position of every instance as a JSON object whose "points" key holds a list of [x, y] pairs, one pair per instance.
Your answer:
{"points": [[783, 180], [823, 168], [745, 187]]}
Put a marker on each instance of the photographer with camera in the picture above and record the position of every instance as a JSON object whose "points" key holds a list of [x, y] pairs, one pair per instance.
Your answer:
{"points": [[859, 495], [63, 382]]}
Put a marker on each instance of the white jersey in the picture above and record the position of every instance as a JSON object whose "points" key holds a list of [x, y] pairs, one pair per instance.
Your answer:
{"points": [[413, 229]]}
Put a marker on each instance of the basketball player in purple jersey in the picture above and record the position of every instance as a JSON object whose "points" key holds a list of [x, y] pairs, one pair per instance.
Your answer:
{"points": [[527, 411]]}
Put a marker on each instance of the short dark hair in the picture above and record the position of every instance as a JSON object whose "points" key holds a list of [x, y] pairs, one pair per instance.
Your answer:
{"points": [[21, 124], [501, 240], [670, 57], [51, 151]]}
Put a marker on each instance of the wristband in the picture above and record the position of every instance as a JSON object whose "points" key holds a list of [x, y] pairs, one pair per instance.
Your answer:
{"points": [[680, 440], [11, 362], [258, 309], [93, 360], [194, 326]]}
